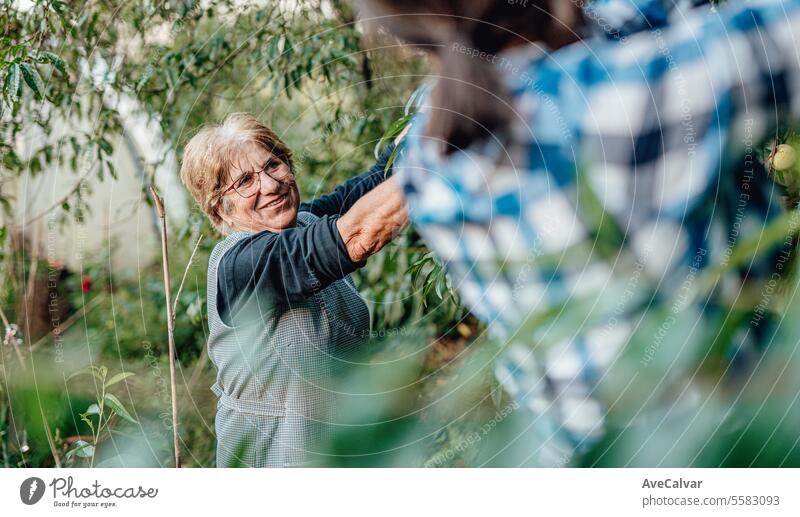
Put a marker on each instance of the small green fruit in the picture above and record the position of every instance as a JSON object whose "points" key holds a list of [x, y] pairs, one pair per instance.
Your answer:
{"points": [[784, 157]]}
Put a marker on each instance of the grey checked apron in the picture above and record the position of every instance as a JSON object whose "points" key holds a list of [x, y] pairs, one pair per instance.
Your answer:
{"points": [[274, 369]]}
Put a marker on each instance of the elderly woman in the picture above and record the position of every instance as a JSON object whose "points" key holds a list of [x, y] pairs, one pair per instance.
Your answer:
{"points": [[283, 313]]}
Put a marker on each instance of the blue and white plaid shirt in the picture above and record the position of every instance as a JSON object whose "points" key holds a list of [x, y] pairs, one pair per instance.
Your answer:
{"points": [[618, 184], [618, 19]]}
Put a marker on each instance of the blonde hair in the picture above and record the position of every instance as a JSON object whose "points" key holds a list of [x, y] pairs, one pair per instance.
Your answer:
{"points": [[211, 154]]}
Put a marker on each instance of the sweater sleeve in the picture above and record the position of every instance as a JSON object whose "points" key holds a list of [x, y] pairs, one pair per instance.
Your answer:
{"points": [[345, 195], [281, 269]]}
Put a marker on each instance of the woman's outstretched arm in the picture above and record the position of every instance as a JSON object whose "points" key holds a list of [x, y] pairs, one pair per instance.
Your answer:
{"points": [[373, 220], [348, 193]]}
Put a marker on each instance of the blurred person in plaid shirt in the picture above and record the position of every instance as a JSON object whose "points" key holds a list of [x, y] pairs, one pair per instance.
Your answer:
{"points": [[603, 157]]}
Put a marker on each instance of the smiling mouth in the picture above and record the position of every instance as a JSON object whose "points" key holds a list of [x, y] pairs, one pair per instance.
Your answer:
{"points": [[276, 202]]}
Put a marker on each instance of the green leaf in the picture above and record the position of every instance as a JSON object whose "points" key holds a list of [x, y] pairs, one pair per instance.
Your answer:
{"points": [[5, 204], [411, 104], [92, 370], [117, 407], [88, 421], [609, 237], [146, 75], [392, 132], [12, 83], [35, 166], [272, 48], [32, 79], [119, 377], [111, 170], [82, 449], [105, 145], [56, 61], [93, 409], [750, 248], [390, 161]]}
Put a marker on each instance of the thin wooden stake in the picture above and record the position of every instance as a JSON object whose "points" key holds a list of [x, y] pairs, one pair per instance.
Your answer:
{"points": [[170, 322], [185, 273]]}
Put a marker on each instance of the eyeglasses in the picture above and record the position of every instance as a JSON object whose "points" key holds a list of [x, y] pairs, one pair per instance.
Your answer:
{"points": [[249, 184]]}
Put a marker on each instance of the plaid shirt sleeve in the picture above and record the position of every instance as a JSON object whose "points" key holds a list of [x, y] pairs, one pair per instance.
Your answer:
{"points": [[650, 134], [618, 19]]}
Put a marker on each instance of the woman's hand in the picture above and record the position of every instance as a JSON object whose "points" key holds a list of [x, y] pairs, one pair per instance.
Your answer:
{"points": [[374, 220]]}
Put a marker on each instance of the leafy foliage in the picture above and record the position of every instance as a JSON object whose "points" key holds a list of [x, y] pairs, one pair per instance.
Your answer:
{"points": [[99, 413]]}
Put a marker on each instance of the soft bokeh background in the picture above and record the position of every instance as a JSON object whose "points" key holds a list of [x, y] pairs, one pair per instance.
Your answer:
{"points": [[98, 99]]}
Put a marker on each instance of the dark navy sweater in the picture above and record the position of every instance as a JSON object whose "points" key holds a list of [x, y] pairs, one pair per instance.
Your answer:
{"points": [[288, 267]]}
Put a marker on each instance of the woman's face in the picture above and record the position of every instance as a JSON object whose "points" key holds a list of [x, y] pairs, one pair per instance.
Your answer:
{"points": [[272, 206]]}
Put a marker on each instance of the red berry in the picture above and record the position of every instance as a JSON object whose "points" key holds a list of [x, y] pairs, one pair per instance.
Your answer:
{"points": [[86, 284]]}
